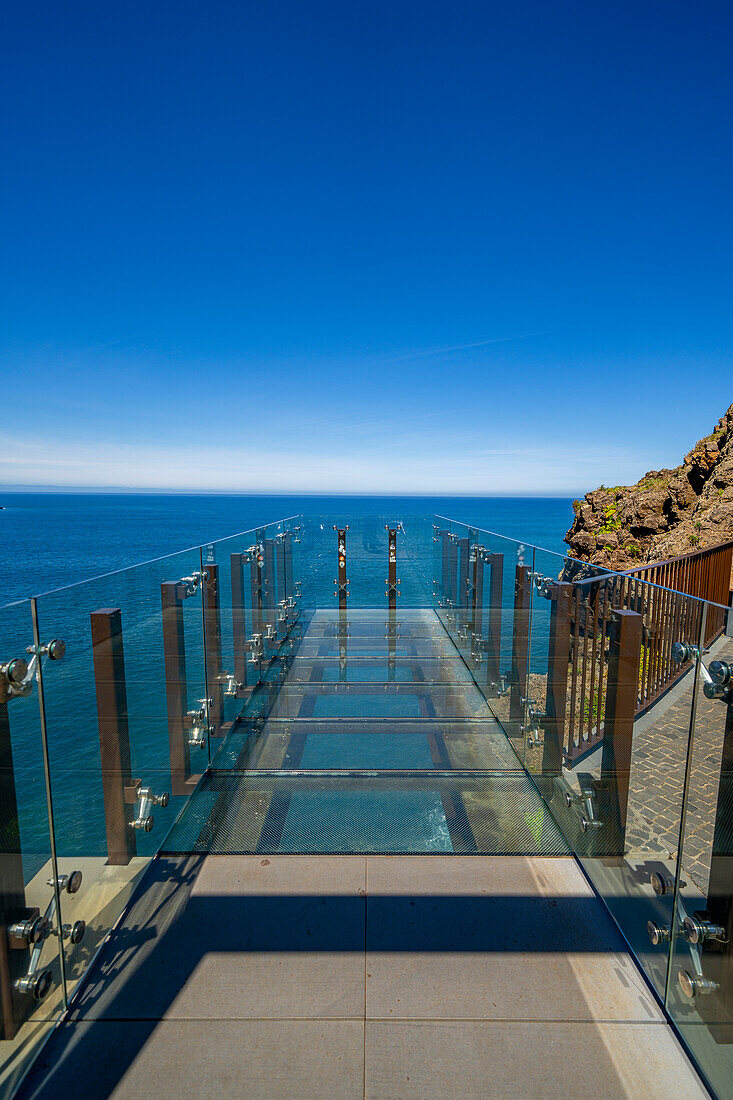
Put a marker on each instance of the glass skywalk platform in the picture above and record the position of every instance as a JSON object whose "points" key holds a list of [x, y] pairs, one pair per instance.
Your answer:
{"points": [[370, 751], [323, 700]]}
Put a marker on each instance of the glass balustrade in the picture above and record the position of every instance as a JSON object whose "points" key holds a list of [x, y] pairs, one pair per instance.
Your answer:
{"points": [[365, 684]]}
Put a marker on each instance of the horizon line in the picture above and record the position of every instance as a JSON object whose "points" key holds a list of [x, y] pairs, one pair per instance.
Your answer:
{"points": [[123, 490]]}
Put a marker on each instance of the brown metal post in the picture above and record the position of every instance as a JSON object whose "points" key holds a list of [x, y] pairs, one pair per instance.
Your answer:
{"points": [[255, 566], [212, 627], [462, 552], [520, 640], [557, 679], [289, 580], [343, 646], [342, 581], [12, 889], [282, 592], [493, 641], [445, 541], [477, 596], [239, 626], [114, 734], [269, 593], [392, 569], [618, 729], [452, 571], [172, 595]]}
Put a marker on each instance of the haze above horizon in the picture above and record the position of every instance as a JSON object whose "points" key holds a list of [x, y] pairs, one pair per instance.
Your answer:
{"points": [[425, 248]]}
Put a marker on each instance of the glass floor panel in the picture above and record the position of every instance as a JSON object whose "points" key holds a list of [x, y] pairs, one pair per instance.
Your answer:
{"points": [[368, 700], [368, 744], [375, 630], [365, 669], [368, 735], [378, 646], [352, 812]]}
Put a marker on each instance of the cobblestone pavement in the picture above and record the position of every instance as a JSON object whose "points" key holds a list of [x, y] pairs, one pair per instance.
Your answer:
{"points": [[657, 776]]}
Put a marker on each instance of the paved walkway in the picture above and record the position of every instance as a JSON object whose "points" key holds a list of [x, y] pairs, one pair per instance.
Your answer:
{"points": [[657, 777], [365, 976]]}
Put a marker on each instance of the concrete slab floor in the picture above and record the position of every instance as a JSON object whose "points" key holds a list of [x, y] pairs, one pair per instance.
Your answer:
{"points": [[380, 976]]}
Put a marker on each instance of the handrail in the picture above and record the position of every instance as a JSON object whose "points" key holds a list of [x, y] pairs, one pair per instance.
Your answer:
{"points": [[679, 558]]}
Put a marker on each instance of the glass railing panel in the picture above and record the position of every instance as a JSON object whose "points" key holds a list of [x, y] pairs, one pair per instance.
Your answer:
{"points": [[612, 687], [364, 579], [253, 605], [483, 597], [31, 982], [126, 713], [700, 993], [607, 730]]}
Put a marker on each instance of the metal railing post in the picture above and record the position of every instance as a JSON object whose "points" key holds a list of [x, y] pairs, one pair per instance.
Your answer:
{"points": [[557, 679], [114, 734], [172, 594], [239, 624], [212, 645], [618, 733], [493, 640], [520, 642]]}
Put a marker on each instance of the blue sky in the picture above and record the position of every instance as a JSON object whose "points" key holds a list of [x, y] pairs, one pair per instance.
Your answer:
{"points": [[376, 247]]}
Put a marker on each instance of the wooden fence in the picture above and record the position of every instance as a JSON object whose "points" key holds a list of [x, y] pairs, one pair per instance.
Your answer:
{"points": [[660, 593]]}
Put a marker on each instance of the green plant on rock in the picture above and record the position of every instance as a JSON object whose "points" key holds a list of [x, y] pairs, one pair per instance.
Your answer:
{"points": [[651, 483]]}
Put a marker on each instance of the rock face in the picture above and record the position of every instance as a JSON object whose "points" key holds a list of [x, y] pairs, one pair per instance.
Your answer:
{"points": [[667, 512]]}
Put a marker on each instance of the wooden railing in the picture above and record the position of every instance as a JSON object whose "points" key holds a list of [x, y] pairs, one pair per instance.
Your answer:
{"points": [[701, 573], [660, 592]]}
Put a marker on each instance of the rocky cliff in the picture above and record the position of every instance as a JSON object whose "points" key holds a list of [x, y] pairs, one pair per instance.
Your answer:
{"points": [[667, 512]]}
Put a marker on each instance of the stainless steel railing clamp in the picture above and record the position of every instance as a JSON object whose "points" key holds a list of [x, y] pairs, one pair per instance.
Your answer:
{"points": [[663, 884], [17, 675], [535, 717], [585, 801], [695, 930], [719, 681], [255, 649], [34, 930], [700, 931], [197, 722], [543, 584], [683, 652], [504, 685], [145, 799], [192, 583], [232, 686]]}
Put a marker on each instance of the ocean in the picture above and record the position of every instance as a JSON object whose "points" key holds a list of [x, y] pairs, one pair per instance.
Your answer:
{"points": [[49, 540]]}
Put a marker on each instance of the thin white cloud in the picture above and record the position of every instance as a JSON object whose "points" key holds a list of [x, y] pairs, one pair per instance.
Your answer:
{"points": [[430, 466], [426, 353]]}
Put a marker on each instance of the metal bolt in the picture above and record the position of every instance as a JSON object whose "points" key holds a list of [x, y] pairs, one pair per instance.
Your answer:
{"points": [[657, 934], [693, 986]]}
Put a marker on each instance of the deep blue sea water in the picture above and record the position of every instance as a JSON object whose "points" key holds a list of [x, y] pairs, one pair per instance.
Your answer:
{"points": [[53, 539]]}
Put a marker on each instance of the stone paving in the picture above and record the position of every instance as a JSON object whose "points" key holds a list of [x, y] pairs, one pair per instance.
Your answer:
{"points": [[657, 777], [352, 977]]}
